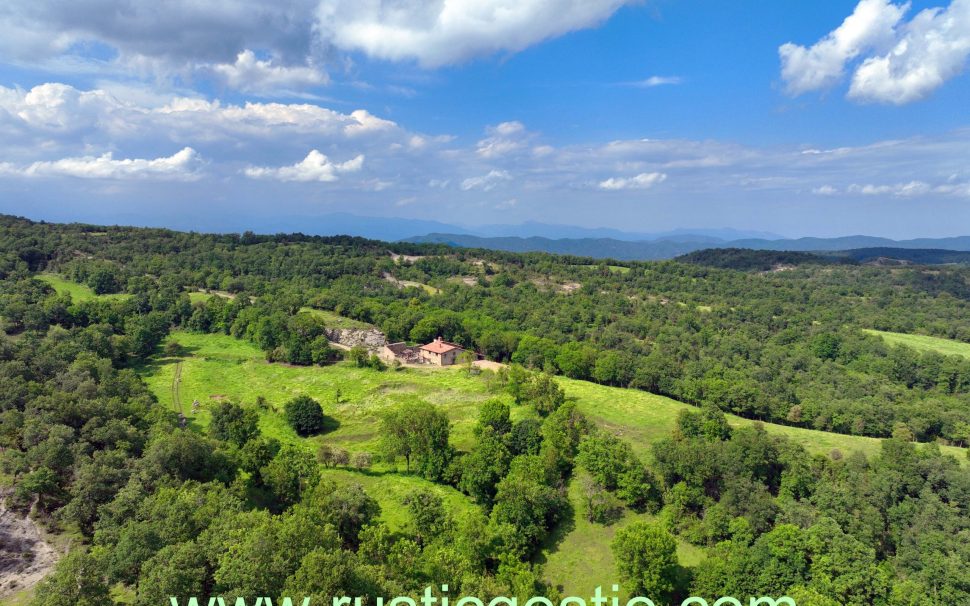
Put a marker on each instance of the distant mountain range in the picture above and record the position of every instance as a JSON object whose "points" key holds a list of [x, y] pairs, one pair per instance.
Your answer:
{"points": [[393, 229], [390, 229], [673, 246], [530, 236]]}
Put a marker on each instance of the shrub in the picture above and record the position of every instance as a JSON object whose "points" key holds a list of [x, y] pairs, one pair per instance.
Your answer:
{"points": [[341, 457], [362, 460]]}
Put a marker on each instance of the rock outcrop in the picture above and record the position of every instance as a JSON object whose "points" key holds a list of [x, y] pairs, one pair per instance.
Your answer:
{"points": [[371, 338]]}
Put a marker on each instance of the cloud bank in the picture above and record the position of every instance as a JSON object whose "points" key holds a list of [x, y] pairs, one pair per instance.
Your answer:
{"points": [[281, 46], [61, 142], [182, 166]]}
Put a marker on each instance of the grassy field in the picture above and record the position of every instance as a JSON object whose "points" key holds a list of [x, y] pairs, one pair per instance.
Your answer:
{"points": [[578, 556], [332, 320], [78, 292], [216, 367], [219, 367], [199, 297], [389, 489], [946, 347], [642, 418]]}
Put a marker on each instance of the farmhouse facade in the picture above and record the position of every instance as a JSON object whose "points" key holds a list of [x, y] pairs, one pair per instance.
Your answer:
{"points": [[440, 352]]}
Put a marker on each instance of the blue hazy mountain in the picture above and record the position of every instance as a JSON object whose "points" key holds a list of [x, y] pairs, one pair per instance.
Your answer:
{"points": [[674, 246]]}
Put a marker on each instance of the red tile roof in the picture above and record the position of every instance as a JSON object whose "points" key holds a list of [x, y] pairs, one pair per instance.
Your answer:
{"points": [[439, 347]]}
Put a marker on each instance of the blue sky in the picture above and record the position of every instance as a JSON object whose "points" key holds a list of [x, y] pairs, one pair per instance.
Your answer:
{"points": [[799, 118]]}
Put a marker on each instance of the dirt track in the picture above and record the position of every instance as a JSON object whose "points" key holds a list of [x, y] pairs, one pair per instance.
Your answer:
{"points": [[25, 557]]}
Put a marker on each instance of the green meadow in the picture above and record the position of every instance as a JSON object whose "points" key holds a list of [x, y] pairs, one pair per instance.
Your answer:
{"points": [[641, 418], [946, 347], [577, 555], [78, 292]]}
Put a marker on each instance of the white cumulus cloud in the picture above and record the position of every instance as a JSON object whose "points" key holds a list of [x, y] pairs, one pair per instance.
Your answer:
{"points": [[441, 33], [931, 49], [315, 167], [823, 64], [641, 181], [249, 74], [893, 60]]}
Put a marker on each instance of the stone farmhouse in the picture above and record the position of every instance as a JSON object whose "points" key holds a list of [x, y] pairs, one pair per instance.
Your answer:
{"points": [[440, 352], [437, 353]]}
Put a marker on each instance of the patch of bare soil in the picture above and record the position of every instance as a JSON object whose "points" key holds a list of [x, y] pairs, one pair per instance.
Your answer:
{"points": [[25, 557], [406, 258], [488, 365], [566, 288]]}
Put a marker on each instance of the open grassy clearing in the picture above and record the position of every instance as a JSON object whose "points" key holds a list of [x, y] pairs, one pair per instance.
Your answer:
{"points": [[642, 418], [333, 320], [578, 556], [617, 269], [78, 292], [389, 489], [199, 297], [946, 347], [218, 367], [431, 290]]}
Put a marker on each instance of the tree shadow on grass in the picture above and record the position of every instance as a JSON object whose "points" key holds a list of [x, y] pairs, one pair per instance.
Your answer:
{"points": [[374, 473], [566, 524], [161, 360], [330, 425]]}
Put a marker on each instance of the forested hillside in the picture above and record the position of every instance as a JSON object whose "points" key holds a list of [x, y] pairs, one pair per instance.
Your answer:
{"points": [[238, 506], [785, 345]]}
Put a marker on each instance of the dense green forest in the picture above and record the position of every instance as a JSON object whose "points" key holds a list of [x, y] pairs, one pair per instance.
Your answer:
{"points": [[166, 510]]}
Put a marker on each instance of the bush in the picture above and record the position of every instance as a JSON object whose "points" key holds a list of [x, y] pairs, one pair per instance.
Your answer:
{"points": [[601, 506], [341, 457], [304, 415], [362, 460], [321, 353]]}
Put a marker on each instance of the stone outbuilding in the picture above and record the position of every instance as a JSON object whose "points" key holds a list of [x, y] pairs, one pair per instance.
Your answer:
{"points": [[401, 352]]}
